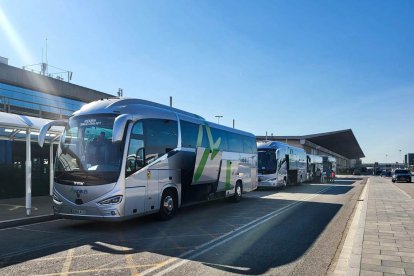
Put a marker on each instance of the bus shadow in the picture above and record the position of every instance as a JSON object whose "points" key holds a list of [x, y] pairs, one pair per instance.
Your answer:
{"points": [[267, 246], [278, 243], [329, 189]]}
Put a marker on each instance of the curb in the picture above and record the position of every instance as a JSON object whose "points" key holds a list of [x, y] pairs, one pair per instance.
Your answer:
{"points": [[349, 260], [26, 221]]}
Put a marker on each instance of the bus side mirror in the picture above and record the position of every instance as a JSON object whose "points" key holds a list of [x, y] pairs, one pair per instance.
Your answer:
{"points": [[119, 127], [43, 131]]}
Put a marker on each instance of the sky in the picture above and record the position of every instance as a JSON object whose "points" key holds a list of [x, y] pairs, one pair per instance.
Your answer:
{"points": [[285, 67]]}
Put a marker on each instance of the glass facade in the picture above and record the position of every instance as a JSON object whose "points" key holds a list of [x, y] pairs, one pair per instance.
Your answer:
{"points": [[12, 169], [33, 103], [19, 100]]}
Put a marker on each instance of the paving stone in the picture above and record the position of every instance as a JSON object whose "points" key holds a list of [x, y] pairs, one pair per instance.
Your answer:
{"points": [[369, 251], [379, 268], [370, 273], [405, 249], [407, 259], [371, 242], [397, 253], [388, 235], [397, 264], [383, 257], [370, 261]]}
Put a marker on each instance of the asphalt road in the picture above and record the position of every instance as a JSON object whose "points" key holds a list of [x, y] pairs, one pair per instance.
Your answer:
{"points": [[406, 187], [293, 231]]}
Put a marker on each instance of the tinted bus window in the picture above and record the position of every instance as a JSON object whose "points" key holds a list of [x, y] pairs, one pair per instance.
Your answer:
{"points": [[189, 134], [249, 144], [218, 133], [235, 142], [160, 138]]}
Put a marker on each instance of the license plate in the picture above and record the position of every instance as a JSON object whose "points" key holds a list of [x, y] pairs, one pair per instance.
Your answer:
{"points": [[77, 211]]}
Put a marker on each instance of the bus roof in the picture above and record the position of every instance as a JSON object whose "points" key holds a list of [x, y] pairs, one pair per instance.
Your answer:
{"points": [[132, 106], [276, 145]]}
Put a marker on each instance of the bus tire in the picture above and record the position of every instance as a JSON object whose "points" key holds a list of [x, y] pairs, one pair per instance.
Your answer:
{"points": [[238, 192], [168, 205]]}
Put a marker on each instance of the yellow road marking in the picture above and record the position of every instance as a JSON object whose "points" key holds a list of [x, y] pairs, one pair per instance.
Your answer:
{"points": [[68, 261], [100, 269]]}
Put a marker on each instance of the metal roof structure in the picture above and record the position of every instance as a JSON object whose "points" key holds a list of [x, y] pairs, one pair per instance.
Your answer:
{"points": [[14, 127], [25, 128], [342, 142]]}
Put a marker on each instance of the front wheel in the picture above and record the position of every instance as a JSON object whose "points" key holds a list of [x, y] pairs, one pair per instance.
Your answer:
{"points": [[238, 192], [168, 205]]}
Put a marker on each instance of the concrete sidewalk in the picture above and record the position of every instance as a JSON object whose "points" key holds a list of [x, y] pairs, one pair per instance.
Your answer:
{"points": [[13, 211], [385, 223]]}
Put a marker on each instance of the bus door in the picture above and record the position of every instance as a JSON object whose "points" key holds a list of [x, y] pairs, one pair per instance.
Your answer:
{"points": [[282, 167], [135, 180], [228, 176]]}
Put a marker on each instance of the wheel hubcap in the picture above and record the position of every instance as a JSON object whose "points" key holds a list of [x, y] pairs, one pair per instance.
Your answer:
{"points": [[238, 190], [168, 203]]}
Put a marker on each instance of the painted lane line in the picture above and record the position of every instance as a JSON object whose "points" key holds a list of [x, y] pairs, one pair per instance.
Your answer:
{"points": [[195, 255], [229, 236], [35, 230]]}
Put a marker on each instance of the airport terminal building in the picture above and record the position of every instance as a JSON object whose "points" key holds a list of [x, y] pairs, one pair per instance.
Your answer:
{"points": [[340, 144], [28, 100]]}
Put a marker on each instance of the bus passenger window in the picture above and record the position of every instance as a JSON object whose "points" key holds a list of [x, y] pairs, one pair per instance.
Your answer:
{"points": [[161, 136]]}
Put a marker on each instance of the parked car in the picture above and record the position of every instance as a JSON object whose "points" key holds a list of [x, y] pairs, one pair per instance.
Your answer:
{"points": [[386, 173], [401, 175], [356, 172]]}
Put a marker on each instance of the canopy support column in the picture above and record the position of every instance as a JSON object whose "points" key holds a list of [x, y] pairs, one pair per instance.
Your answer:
{"points": [[51, 168], [28, 174]]}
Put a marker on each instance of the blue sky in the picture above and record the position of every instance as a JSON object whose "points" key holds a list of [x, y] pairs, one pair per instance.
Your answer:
{"points": [[286, 67]]}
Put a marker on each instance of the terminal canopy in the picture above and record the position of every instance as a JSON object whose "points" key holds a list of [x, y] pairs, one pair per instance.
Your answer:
{"points": [[342, 142], [13, 127]]}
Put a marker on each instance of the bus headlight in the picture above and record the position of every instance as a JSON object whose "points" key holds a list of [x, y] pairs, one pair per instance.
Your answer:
{"points": [[111, 201]]}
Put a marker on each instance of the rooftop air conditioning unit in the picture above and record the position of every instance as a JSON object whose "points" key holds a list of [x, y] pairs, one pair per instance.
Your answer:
{"points": [[4, 60]]}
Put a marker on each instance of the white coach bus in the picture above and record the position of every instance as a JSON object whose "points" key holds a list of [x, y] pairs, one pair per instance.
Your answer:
{"points": [[122, 158], [280, 164]]}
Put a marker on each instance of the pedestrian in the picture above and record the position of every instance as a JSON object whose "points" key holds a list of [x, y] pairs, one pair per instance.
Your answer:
{"points": [[328, 175], [318, 176], [333, 176]]}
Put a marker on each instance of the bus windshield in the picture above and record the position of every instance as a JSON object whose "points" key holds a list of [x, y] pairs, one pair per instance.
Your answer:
{"points": [[86, 154], [267, 161]]}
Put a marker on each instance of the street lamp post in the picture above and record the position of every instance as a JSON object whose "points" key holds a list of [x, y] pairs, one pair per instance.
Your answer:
{"points": [[218, 118], [399, 157]]}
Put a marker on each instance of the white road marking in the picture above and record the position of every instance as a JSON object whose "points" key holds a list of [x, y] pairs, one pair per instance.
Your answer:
{"points": [[194, 253]]}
